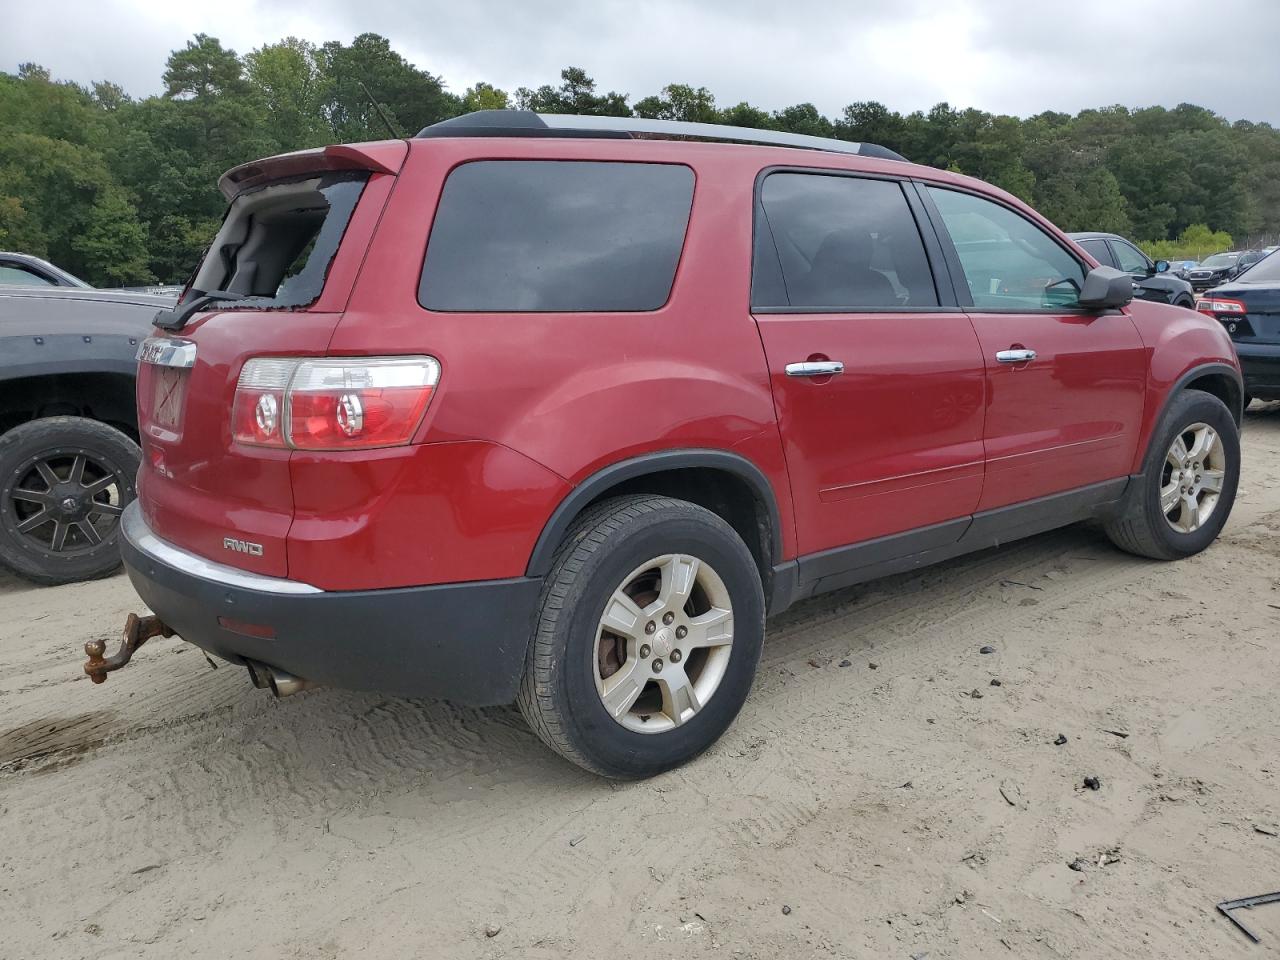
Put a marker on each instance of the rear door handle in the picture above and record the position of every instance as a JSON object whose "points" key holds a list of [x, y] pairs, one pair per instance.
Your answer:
{"points": [[815, 368], [1015, 356]]}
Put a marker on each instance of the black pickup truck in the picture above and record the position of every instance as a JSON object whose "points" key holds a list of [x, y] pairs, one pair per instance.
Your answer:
{"points": [[68, 426]]}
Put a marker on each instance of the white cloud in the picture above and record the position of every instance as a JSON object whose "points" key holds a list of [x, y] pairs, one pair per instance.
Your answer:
{"points": [[1012, 56]]}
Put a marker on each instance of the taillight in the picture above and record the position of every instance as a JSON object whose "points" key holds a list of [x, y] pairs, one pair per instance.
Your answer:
{"points": [[333, 403], [1211, 306]]}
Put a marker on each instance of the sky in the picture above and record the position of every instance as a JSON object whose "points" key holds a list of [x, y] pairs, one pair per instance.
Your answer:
{"points": [[1006, 56]]}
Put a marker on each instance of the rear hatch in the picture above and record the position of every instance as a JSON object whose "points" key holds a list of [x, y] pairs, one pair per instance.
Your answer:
{"points": [[288, 252]]}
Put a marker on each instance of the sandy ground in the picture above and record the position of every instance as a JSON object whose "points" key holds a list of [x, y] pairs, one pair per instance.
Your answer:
{"points": [[177, 812]]}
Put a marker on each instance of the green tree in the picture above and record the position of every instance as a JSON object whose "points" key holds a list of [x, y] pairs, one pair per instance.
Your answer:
{"points": [[576, 94], [411, 97], [288, 80]]}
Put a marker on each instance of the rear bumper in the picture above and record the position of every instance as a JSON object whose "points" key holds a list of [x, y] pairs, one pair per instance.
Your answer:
{"points": [[463, 642], [1260, 364]]}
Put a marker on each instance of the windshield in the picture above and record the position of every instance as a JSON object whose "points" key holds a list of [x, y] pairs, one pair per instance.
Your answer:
{"points": [[1220, 260], [1266, 270], [276, 243]]}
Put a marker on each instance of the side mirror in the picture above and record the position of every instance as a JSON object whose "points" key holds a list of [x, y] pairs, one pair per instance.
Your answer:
{"points": [[1162, 266], [1106, 288]]}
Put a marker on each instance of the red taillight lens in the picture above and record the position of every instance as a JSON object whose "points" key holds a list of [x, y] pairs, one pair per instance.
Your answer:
{"points": [[257, 414], [1212, 306], [332, 404]]}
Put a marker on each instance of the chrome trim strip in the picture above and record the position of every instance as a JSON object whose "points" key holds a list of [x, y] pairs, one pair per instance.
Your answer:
{"points": [[167, 352], [134, 529]]}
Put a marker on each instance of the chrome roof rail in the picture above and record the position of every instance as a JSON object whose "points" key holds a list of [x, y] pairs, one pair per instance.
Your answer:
{"points": [[526, 123]]}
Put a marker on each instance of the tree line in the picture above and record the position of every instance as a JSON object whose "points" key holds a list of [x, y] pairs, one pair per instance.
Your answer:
{"points": [[123, 190]]}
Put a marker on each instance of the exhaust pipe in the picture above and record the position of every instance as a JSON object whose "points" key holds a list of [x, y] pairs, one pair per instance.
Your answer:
{"points": [[279, 682]]}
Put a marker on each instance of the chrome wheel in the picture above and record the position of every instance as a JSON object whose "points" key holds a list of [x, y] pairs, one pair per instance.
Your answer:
{"points": [[663, 643], [1195, 469]]}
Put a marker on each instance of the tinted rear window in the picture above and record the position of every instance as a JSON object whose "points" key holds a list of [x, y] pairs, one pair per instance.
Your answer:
{"points": [[556, 235], [838, 243]]}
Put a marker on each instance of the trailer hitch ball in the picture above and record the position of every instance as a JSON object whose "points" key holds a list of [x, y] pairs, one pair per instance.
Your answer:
{"points": [[137, 631]]}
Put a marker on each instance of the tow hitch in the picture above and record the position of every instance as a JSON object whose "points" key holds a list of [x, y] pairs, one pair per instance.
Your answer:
{"points": [[137, 631]]}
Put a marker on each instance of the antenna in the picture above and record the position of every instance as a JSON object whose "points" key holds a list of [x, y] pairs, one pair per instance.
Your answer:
{"points": [[395, 134]]}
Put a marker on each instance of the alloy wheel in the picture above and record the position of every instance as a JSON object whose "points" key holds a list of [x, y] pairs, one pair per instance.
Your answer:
{"points": [[1191, 481], [663, 643], [65, 501]]}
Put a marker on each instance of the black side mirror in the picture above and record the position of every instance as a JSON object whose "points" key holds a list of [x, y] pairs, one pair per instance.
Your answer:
{"points": [[1106, 288], [1162, 266]]}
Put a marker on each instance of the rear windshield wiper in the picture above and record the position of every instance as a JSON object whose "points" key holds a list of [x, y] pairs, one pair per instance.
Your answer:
{"points": [[176, 318]]}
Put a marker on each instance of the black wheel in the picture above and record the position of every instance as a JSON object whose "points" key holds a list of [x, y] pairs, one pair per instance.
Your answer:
{"points": [[647, 638], [64, 482], [1188, 482]]}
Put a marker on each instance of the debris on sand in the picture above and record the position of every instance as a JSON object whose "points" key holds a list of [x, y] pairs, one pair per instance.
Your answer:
{"points": [[1060, 739], [1011, 792], [987, 649]]}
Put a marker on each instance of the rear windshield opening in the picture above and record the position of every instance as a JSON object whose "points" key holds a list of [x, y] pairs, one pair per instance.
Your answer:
{"points": [[276, 243]]}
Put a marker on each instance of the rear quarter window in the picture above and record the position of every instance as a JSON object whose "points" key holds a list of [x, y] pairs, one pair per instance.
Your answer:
{"points": [[556, 236]]}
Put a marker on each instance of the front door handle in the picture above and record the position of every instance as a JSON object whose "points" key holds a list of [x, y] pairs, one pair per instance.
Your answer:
{"points": [[815, 368], [1015, 356]]}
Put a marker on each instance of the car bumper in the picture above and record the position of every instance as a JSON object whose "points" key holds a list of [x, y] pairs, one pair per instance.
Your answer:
{"points": [[1260, 364], [463, 642]]}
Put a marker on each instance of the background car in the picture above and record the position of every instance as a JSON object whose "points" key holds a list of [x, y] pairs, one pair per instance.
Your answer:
{"points": [[1152, 280], [68, 426], [24, 270], [1222, 267], [1249, 308]]}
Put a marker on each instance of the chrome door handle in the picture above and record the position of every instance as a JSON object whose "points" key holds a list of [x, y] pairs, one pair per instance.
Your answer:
{"points": [[1015, 356], [815, 368]]}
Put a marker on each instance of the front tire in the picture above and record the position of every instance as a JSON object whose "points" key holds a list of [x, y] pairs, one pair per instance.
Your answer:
{"points": [[647, 639], [1188, 483], [64, 481]]}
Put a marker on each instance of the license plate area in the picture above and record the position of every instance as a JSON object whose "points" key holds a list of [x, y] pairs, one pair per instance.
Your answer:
{"points": [[167, 362], [168, 397]]}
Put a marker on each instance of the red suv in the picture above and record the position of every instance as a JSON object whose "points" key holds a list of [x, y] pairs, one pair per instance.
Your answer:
{"points": [[556, 409]]}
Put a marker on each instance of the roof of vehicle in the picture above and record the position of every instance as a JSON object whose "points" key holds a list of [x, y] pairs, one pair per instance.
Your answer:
{"points": [[27, 259], [1096, 235], [90, 293], [526, 123]]}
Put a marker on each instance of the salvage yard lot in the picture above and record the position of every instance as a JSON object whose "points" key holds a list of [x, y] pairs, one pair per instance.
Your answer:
{"points": [[175, 811]]}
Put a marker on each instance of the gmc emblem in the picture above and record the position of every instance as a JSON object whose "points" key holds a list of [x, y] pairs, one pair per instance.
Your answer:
{"points": [[242, 546]]}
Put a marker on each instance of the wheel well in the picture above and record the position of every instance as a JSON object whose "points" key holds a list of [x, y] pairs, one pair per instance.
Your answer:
{"points": [[724, 493], [1223, 387], [107, 397]]}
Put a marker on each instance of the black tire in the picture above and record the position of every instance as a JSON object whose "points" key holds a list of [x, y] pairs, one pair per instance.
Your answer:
{"points": [[558, 695], [63, 445], [1187, 302], [1142, 528], [1245, 401]]}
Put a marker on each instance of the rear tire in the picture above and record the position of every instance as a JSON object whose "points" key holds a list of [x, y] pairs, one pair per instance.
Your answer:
{"points": [[647, 639], [78, 475], [1173, 510]]}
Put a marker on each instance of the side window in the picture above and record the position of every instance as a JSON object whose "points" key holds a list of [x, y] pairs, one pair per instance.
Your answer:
{"points": [[1099, 251], [556, 236], [13, 275], [1008, 261], [839, 243], [1130, 258]]}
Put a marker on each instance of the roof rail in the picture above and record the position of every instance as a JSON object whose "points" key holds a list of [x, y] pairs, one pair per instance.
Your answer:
{"points": [[526, 123]]}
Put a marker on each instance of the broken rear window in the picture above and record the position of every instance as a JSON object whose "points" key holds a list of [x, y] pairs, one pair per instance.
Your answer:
{"points": [[276, 243]]}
